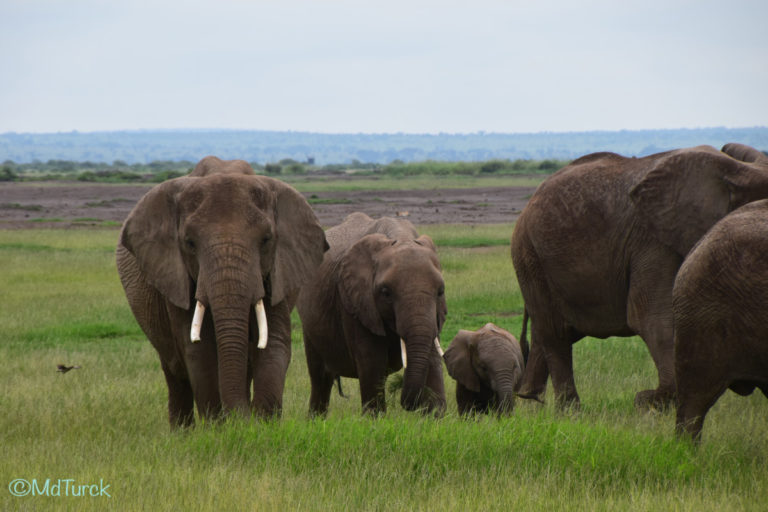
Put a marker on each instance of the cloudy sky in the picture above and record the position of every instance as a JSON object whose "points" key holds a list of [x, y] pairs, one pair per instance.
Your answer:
{"points": [[413, 66]]}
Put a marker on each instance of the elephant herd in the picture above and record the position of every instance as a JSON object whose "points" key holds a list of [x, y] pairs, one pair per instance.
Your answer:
{"points": [[670, 247]]}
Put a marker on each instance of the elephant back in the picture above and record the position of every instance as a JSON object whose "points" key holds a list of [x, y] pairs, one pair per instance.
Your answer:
{"points": [[358, 225]]}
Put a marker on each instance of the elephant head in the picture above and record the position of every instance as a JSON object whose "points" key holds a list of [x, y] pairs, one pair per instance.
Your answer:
{"points": [[489, 364], [394, 287], [226, 240], [689, 190]]}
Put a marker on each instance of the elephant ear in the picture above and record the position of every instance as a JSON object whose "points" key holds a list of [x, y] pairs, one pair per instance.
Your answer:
{"points": [[150, 233], [356, 272], [300, 241], [442, 307], [426, 241], [458, 361], [688, 191]]}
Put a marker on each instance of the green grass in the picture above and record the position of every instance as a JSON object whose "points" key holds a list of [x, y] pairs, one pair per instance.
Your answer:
{"points": [[62, 303], [423, 182], [328, 200]]}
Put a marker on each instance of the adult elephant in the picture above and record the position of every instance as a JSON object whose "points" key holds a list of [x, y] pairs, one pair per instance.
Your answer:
{"points": [[376, 304], [598, 245], [720, 304], [488, 367], [212, 264]]}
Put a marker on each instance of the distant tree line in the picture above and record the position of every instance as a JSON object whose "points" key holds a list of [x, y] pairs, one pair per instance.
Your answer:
{"points": [[158, 171], [318, 148]]}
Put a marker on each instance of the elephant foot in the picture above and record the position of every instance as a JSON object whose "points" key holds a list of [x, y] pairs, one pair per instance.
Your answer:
{"points": [[654, 399]]}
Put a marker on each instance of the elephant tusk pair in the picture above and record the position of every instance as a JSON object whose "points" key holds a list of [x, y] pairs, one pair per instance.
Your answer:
{"points": [[405, 357], [261, 320]]}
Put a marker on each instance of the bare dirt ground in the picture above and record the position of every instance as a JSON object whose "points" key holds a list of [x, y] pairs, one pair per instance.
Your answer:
{"points": [[73, 205]]}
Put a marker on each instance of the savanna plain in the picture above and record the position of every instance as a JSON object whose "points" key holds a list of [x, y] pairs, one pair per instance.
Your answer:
{"points": [[106, 422]]}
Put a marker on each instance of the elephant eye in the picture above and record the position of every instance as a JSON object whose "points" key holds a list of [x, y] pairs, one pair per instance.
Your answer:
{"points": [[441, 291], [385, 292], [190, 244]]}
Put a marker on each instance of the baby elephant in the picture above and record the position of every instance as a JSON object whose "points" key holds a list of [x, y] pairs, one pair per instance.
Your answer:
{"points": [[488, 366], [720, 305]]}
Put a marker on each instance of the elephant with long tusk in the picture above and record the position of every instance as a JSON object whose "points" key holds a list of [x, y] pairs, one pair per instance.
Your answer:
{"points": [[376, 305], [212, 264]]}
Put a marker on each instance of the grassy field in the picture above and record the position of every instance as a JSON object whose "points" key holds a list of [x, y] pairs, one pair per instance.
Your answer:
{"points": [[309, 184], [105, 424]]}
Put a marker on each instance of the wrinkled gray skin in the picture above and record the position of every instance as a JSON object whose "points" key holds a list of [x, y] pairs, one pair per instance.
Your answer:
{"points": [[720, 304], [597, 248], [227, 238], [379, 282], [487, 365]]}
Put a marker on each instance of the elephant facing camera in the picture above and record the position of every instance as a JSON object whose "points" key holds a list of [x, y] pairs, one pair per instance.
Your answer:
{"points": [[376, 305], [488, 366], [211, 264]]}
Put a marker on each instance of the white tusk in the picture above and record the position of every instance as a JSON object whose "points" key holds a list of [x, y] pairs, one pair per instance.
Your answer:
{"points": [[261, 320], [197, 322], [438, 347], [402, 352]]}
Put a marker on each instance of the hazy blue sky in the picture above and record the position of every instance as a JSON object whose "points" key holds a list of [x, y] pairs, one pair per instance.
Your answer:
{"points": [[382, 66]]}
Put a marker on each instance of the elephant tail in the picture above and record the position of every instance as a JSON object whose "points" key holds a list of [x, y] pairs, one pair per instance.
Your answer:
{"points": [[338, 383], [524, 336]]}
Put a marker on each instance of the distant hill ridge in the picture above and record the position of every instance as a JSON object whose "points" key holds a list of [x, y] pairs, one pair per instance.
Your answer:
{"points": [[272, 146]]}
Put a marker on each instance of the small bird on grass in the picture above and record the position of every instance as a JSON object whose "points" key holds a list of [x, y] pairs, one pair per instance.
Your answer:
{"points": [[64, 368]]}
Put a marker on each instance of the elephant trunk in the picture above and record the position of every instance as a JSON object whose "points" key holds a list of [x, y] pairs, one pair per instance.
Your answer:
{"points": [[505, 392], [420, 348], [230, 319], [232, 289]]}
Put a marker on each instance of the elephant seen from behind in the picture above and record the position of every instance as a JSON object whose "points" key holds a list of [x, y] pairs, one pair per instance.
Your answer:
{"points": [[487, 365], [597, 248], [720, 304], [211, 264], [376, 304]]}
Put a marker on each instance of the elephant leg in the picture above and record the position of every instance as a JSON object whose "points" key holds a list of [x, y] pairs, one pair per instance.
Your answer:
{"points": [[321, 381], [434, 398], [694, 400], [370, 360], [465, 399], [270, 365], [649, 314], [180, 402], [201, 361], [269, 374], [556, 342], [372, 392], [534, 383]]}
